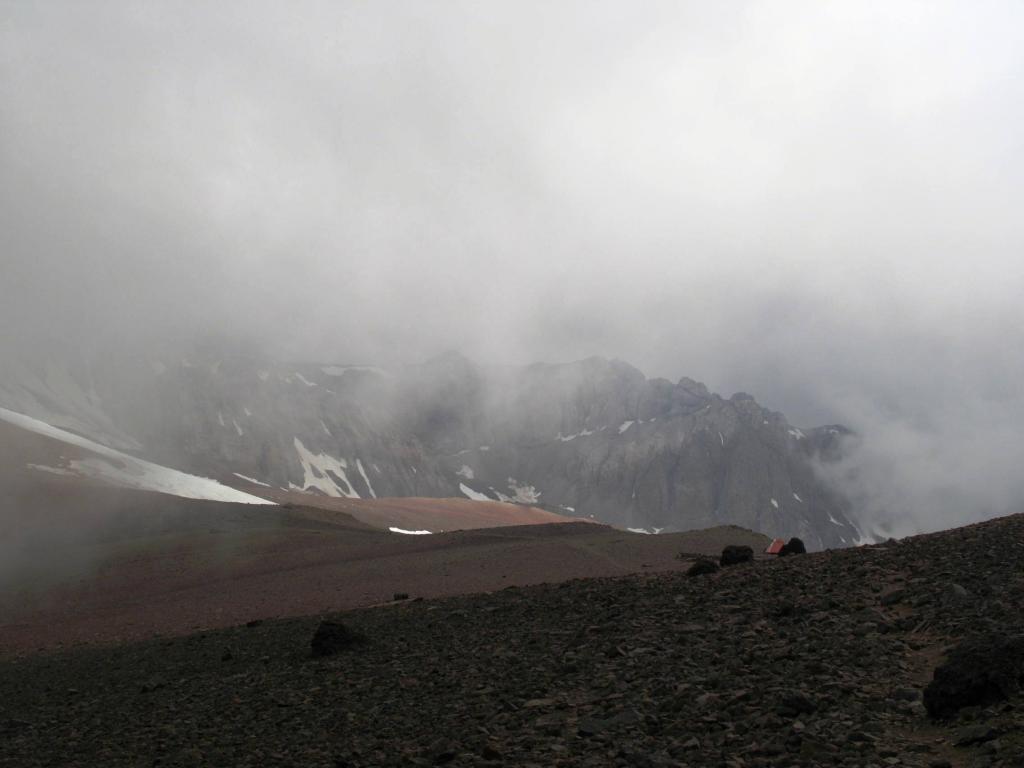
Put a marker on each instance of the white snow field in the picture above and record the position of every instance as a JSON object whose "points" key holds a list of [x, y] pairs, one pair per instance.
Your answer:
{"points": [[122, 469]]}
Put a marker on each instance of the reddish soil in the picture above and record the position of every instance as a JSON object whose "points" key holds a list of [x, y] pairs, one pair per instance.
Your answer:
{"points": [[411, 514], [152, 564], [84, 562]]}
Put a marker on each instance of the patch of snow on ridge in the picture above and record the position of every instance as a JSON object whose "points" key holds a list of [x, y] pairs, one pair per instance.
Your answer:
{"points": [[325, 429], [523, 493], [625, 425], [469, 493], [252, 480], [833, 520], [567, 438], [340, 370], [130, 471], [465, 471], [796, 433], [362, 472], [220, 419], [639, 530], [51, 470], [238, 429], [775, 503], [317, 469], [797, 497], [304, 380], [393, 529]]}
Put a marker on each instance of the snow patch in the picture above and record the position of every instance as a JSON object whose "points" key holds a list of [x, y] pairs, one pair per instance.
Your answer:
{"points": [[469, 493], [325, 429], [238, 429], [339, 370], [484, 448], [220, 419], [304, 380], [393, 529], [523, 493], [362, 472], [797, 497], [465, 471], [796, 433], [247, 412], [625, 425], [567, 438], [639, 530], [775, 503], [833, 520], [51, 470], [567, 509], [130, 471], [720, 437], [317, 469], [252, 480]]}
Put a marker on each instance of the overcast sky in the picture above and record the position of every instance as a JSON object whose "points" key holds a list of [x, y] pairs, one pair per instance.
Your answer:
{"points": [[818, 203]]}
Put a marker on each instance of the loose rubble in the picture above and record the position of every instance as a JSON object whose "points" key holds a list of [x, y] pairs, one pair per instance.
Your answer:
{"points": [[818, 660]]}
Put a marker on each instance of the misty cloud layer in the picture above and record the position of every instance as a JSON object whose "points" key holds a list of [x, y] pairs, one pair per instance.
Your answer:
{"points": [[815, 203]]}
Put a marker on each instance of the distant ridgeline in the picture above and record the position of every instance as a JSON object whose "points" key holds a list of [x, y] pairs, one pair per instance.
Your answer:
{"points": [[593, 439]]}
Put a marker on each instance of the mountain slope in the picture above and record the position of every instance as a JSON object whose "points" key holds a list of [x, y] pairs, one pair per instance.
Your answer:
{"points": [[593, 439]]}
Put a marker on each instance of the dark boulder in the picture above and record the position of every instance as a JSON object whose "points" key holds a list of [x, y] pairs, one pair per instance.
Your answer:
{"points": [[979, 671], [332, 637], [734, 554], [793, 547], [702, 567]]}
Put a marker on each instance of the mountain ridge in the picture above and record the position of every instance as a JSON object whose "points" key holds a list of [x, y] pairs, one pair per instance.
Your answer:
{"points": [[593, 438]]}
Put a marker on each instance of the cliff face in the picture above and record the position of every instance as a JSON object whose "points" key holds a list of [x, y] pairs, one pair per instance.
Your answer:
{"points": [[594, 438]]}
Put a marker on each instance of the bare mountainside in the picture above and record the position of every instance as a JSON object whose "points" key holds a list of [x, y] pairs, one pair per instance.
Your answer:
{"points": [[89, 563], [825, 659], [593, 439]]}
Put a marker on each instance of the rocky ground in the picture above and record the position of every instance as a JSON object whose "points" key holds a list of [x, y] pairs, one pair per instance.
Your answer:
{"points": [[810, 660]]}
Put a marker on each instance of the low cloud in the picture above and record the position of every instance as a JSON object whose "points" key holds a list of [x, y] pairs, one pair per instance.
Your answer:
{"points": [[814, 203]]}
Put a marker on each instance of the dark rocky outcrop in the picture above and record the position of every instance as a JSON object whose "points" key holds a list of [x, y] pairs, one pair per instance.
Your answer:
{"points": [[702, 567], [979, 671], [793, 547], [735, 554], [332, 637]]}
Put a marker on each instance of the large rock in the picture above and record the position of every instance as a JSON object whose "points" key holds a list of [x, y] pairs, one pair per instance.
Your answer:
{"points": [[702, 567], [734, 554], [979, 671], [332, 637], [793, 547]]}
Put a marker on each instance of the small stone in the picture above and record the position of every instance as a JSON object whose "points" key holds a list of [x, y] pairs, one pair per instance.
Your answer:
{"points": [[978, 733]]}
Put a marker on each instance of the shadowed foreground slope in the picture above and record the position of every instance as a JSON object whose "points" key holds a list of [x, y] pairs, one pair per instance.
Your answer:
{"points": [[813, 660]]}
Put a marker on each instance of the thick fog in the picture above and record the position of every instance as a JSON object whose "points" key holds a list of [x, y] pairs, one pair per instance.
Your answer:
{"points": [[816, 203]]}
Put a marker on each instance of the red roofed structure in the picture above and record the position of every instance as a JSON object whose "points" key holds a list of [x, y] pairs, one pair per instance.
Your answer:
{"points": [[775, 547]]}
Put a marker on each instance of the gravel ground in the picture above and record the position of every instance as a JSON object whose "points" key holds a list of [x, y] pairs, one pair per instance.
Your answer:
{"points": [[811, 660]]}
